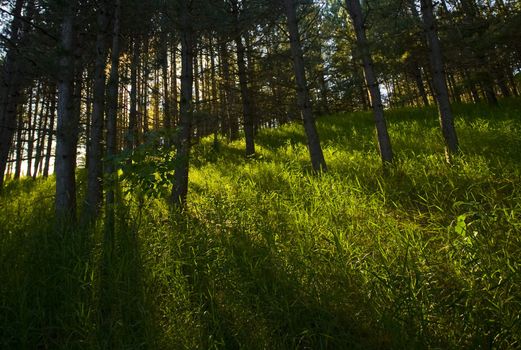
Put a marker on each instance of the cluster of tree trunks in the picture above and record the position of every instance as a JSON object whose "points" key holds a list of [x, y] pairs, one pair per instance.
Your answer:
{"points": [[170, 66]]}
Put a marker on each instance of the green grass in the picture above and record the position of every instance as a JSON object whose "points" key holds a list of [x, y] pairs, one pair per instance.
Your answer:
{"points": [[269, 256]]}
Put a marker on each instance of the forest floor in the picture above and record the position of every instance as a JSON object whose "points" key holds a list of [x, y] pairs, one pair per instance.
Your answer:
{"points": [[268, 256]]}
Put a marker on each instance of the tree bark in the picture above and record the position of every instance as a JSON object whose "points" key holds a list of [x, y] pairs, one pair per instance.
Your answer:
{"points": [[131, 137], [30, 129], [67, 122], [50, 132], [439, 80], [182, 141], [230, 122], [112, 110], [384, 141], [246, 98], [10, 90], [19, 146], [40, 138], [94, 197], [167, 118], [304, 101], [419, 83]]}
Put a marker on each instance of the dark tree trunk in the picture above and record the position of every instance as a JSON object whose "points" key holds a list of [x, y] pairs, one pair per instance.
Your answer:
{"points": [[512, 82], [19, 146], [487, 83], [439, 80], [167, 117], [156, 95], [66, 132], [30, 128], [50, 132], [213, 78], [144, 90], [502, 83], [10, 90], [131, 137], [94, 197], [304, 101], [384, 141], [230, 119], [246, 98], [112, 110], [182, 141], [175, 95], [196, 83], [40, 138], [455, 90], [419, 84]]}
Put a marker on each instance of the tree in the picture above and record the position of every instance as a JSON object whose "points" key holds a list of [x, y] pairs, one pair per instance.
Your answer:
{"points": [[182, 141], [384, 142], [10, 88], [439, 80], [304, 101], [67, 128], [112, 112], [95, 168]]}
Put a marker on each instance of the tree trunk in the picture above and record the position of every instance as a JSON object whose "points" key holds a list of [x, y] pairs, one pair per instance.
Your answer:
{"points": [[175, 97], [213, 102], [67, 122], [40, 138], [246, 98], [50, 133], [19, 146], [131, 137], [10, 90], [439, 80], [229, 118], [182, 141], [167, 118], [419, 84], [144, 89], [384, 142], [94, 197], [30, 129], [112, 112], [304, 101]]}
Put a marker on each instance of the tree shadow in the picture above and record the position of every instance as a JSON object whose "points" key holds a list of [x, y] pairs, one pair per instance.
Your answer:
{"points": [[60, 291], [124, 319], [252, 296]]}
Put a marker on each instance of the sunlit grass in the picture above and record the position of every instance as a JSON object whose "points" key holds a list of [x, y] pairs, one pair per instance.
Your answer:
{"points": [[269, 256]]}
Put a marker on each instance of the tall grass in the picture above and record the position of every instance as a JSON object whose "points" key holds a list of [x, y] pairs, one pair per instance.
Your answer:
{"points": [[268, 256]]}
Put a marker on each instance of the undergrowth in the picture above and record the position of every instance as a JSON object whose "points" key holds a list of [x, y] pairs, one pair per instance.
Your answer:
{"points": [[269, 256]]}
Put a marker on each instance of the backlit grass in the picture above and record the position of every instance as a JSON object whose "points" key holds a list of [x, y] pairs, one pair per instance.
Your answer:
{"points": [[269, 256]]}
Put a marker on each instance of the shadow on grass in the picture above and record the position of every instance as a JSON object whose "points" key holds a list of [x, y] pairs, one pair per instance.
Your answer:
{"points": [[60, 289], [125, 315], [251, 297]]}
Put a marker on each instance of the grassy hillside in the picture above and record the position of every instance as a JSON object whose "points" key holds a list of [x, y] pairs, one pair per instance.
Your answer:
{"points": [[269, 256]]}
